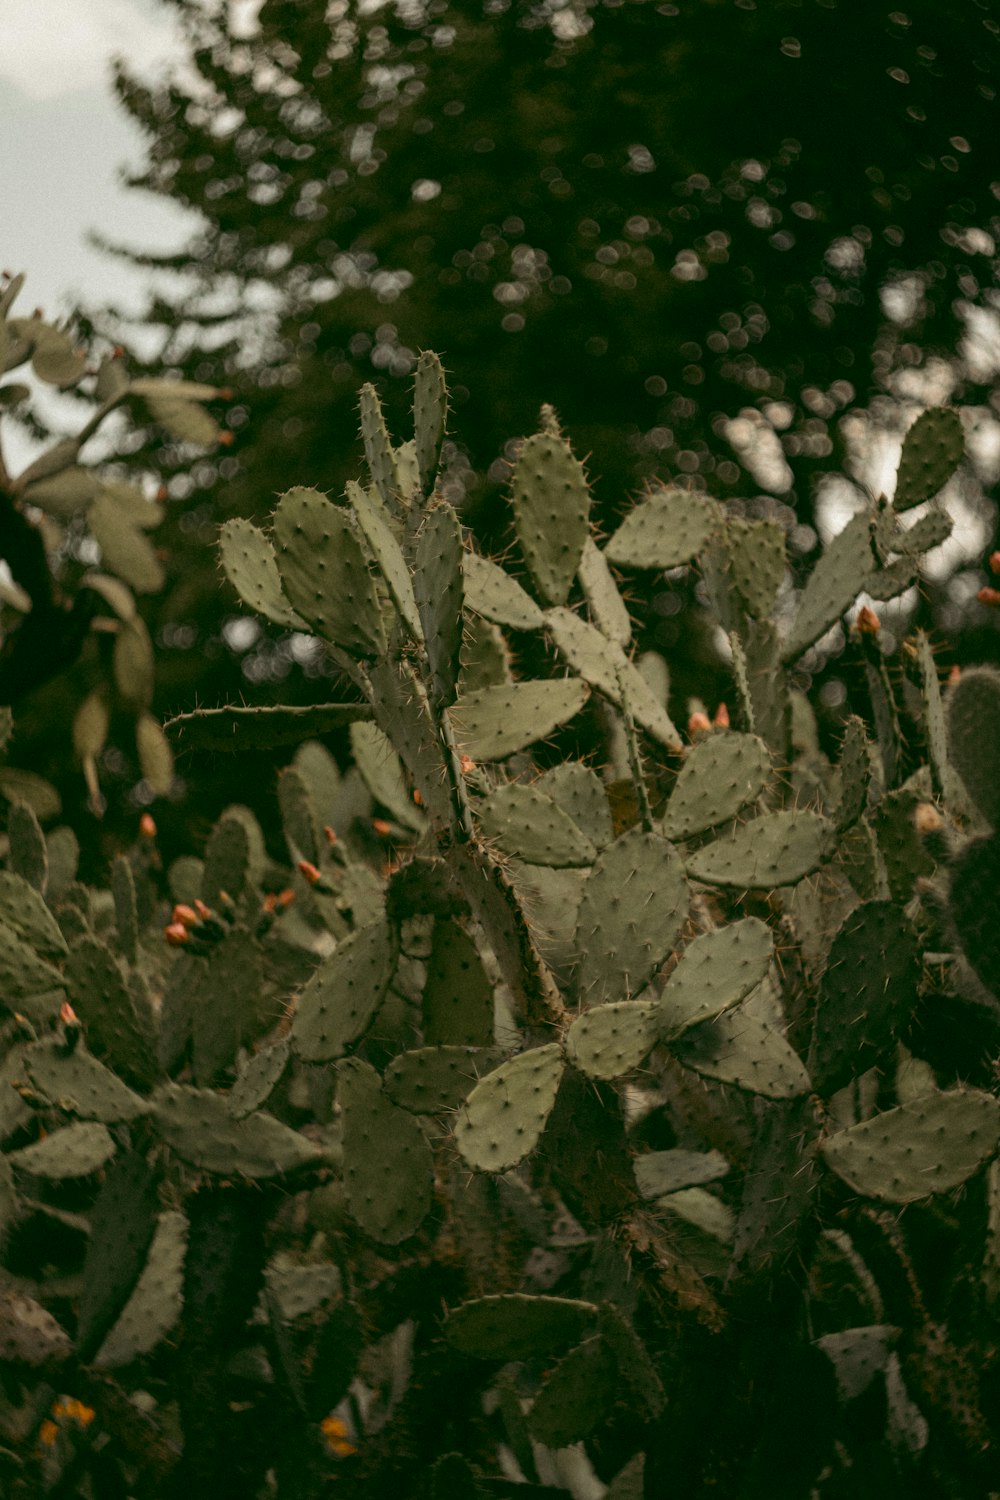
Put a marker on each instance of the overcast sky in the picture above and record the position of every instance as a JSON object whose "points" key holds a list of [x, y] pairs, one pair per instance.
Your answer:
{"points": [[64, 140]]}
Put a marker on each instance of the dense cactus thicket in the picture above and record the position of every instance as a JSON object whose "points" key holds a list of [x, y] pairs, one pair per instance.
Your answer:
{"points": [[544, 1123]]}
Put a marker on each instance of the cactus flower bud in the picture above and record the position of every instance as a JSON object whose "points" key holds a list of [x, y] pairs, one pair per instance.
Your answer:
{"points": [[721, 720], [330, 834], [185, 915], [994, 562], [309, 871], [698, 723], [147, 827], [381, 827], [989, 597], [867, 622], [467, 764], [177, 934]]}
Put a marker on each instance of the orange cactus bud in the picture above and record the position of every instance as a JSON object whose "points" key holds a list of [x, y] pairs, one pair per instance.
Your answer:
{"points": [[286, 897], [330, 834], [185, 915], [177, 934], [721, 720], [162, 494], [467, 764], [867, 622], [994, 562], [335, 1436], [954, 675], [227, 439], [381, 827], [270, 902], [418, 799], [202, 910], [68, 1015], [147, 827], [926, 818], [989, 597], [698, 723], [309, 871]]}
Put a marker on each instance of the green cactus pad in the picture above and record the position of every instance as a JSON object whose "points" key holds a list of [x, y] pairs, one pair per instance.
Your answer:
{"points": [[22, 972], [122, 1223], [527, 824], [430, 412], [738, 1048], [608, 609], [666, 529], [249, 563], [226, 1005], [858, 1355], [73, 1151], [932, 528], [496, 722], [382, 772], [661, 1172], [605, 667], [610, 1040], [388, 1163], [856, 768], [866, 993], [378, 449], [458, 1002], [157, 1300], [238, 729], [973, 710], [324, 572], [433, 1080], [80, 1084], [720, 774], [300, 824], [577, 1395], [756, 553], [257, 1077], [503, 1117], [582, 796], [901, 847], [973, 886], [932, 451], [227, 861], [715, 972], [197, 1125], [946, 781], [551, 513], [835, 582], [117, 1029], [485, 658], [634, 904], [491, 592], [776, 849], [439, 589], [517, 1326], [376, 526], [340, 1000], [927, 1146]]}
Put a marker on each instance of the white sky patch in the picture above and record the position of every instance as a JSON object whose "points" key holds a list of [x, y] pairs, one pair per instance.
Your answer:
{"points": [[54, 47]]}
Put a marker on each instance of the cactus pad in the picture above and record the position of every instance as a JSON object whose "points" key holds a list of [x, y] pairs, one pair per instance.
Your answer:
{"points": [[932, 451], [388, 1165], [492, 723], [551, 509], [529, 825], [720, 774], [324, 572], [666, 529], [776, 849], [926, 1146], [634, 904], [518, 1326], [610, 1040], [715, 972], [249, 563], [503, 1117], [340, 1000]]}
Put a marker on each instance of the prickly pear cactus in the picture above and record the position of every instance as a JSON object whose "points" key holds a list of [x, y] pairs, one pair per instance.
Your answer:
{"points": [[523, 1087]]}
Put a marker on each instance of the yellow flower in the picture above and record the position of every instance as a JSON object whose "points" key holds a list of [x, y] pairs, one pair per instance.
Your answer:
{"points": [[334, 1431]]}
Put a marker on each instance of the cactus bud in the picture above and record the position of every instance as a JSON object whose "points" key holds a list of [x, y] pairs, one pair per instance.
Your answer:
{"points": [[926, 818], [867, 622], [147, 827], [309, 871], [698, 723], [467, 765], [954, 675], [330, 834], [721, 720], [177, 935], [989, 597], [993, 562], [381, 827], [186, 916]]}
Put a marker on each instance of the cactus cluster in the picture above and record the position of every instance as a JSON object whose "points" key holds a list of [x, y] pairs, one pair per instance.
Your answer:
{"points": [[536, 1096]]}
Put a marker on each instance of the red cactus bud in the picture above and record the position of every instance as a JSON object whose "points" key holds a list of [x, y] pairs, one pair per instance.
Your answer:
{"points": [[954, 675], [994, 562], [467, 764], [203, 911], [185, 915], [418, 799], [286, 897], [147, 827], [68, 1015], [270, 902], [309, 871], [721, 720], [162, 494], [698, 723], [226, 393], [177, 934], [330, 834], [989, 597], [381, 827], [227, 439], [867, 622]]}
